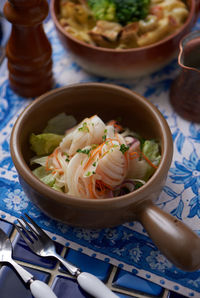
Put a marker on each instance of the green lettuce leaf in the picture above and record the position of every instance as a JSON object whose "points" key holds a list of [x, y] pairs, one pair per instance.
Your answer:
{"points": [[45, 176], [45, 143], [60, 123], [39, 160], [151, 150]]}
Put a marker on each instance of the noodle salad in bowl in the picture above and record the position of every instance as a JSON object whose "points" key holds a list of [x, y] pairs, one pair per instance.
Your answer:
{"points": [[93, 159]]}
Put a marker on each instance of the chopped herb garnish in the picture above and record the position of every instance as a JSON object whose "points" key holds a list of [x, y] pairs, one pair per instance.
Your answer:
{"points": [[84, 128], [123, 148], [93, 172], [94, 164], [94, 146], [67, 156], [88, 174], [138, 185], [104, 136], [84, 151]]}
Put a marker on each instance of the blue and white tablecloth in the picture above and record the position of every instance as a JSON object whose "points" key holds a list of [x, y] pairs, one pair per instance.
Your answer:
{"points": [[126, 246]]}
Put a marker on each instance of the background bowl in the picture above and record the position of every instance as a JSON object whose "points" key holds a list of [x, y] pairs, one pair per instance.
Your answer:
{"points": [[127, 63], [172, 237]]}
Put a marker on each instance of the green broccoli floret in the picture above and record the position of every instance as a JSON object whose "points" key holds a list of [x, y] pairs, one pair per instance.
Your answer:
{"points": [[123, 12], [131, 10], [103, 9]]}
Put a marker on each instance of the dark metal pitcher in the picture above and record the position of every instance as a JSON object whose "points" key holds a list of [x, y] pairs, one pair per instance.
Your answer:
{"points": [[185, 90]]}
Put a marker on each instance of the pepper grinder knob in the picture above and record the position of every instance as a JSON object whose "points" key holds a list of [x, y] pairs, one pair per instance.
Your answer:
{"points": [[28, 50]]}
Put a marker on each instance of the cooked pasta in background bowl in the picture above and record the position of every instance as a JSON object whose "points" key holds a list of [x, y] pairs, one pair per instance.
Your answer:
{"points": [[88, 183], [122, 39], [122, 24]]}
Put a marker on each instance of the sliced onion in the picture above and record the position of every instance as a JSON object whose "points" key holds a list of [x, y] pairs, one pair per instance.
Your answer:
{"points": [[127, 185]]}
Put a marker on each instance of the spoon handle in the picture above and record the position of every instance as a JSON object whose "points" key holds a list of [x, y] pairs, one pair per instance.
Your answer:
{"points": [[38, 288]]}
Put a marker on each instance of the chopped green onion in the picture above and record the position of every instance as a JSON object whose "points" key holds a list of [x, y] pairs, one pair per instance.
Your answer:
{"points": [[84, 151], [123, 148], [67, 156], [84, 128]]}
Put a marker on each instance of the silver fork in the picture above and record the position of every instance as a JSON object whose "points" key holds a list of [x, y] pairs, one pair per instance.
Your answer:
{"points": [[41, 244], [38, 288]]}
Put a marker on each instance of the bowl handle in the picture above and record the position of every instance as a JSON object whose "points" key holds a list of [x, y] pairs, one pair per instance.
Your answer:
{"points": [[172, 237]]}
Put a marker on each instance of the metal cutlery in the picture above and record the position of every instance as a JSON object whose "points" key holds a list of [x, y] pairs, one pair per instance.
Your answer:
{"points": [[41, 244], [38, 288]]}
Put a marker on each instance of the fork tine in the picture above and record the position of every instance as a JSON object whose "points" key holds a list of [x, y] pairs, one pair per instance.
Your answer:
{"points": [[28, 242], [25, 230], [33, 231], [37, 228]]}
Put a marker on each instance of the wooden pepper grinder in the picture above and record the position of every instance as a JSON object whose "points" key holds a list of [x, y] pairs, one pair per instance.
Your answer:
{"points": [[28, 50]]}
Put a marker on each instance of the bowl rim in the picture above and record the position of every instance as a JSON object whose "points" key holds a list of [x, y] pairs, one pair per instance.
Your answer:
{"points": [[139, 49], [24, 170]]}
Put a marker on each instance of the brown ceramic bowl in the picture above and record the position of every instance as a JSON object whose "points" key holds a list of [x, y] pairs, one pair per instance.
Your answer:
{"points": [[172, 237], [124, 63]]}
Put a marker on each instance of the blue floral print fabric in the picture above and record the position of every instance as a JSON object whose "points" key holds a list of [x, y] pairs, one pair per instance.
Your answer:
{"points": [[126, 246]]}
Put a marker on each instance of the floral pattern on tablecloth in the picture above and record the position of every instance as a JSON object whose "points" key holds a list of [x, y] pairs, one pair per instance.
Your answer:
{"points": [[126, 246]]}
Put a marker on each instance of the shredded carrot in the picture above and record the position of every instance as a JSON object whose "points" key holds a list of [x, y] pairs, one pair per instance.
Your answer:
{"points": [[90, 189], [106, 152], [126, 158], [134, 155], [116, 126], [108, 186], [102, 186], [57, 171], [92, 155], [148, 160], [117, 137], [47, 162], [95, 151], [108, 139], [56, 156]]}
